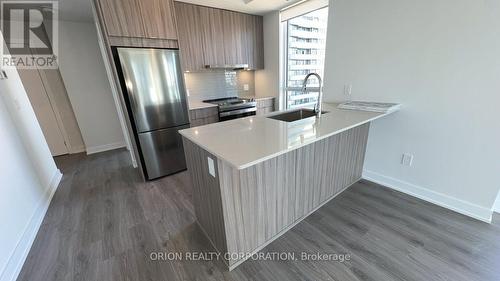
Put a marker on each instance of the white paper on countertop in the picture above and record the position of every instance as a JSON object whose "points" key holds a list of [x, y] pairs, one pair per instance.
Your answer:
{"points": [[370, 106]]}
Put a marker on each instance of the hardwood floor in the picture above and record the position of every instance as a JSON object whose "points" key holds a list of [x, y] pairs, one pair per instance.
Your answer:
{"points": [[103, 224]]}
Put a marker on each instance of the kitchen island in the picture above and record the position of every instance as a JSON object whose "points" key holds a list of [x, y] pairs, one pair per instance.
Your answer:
{"points": [[254, 178]]}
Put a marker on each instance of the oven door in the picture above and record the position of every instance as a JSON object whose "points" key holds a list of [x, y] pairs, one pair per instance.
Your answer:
{"points": [[233, 114]]}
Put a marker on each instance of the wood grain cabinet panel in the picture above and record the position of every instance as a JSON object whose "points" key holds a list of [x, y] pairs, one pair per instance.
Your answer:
{"points": [[243, 39], [252, 41], [248, 39], [190, 36], [206, 194], [212, 36], [139, 18], [261, 202], [122, 18], [159, 18], [257, 61], [234, 32], [227, 37], [203, 116]]}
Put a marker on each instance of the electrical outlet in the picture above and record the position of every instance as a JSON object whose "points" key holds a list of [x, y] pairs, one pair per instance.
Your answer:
{"points": [[246, 87], [407, 159], [211, 167], [348, 89]]}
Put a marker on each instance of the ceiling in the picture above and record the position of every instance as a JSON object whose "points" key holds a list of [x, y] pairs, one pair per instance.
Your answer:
{"points": [[258, 7], [81, 10]]}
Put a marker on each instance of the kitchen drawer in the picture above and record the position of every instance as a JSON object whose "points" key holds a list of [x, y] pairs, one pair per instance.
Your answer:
{"points": [[268, 102], [203, 113], [203, 116], [264, 110], [204, 121]]}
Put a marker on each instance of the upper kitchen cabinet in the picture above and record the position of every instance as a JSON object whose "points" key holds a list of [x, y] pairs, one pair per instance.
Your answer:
{"points": [[159, 19], [243, 39], [153, 19], [215, 37], [191, 33], [256, 51], [234, 33], [212, 36], [122, 18]]}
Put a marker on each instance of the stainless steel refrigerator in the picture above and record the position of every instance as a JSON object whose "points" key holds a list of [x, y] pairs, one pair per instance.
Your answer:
{"points": [[155, 93]]}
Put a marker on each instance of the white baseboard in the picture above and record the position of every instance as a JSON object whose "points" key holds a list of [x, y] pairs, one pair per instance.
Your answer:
{"points": [[21, 251], [105, 147], [446, 201], [78, 149]]}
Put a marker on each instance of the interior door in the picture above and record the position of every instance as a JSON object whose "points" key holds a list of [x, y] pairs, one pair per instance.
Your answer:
{"points": [[43, 111]]}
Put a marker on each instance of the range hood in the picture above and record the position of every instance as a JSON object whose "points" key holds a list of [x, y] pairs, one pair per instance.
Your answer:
{"points": [[227, 66]]}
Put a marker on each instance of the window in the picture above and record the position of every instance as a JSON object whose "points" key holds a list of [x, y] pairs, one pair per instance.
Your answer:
{"points": [[304, 47]]}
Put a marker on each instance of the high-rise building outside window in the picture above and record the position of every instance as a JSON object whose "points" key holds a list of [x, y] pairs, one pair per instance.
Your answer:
{"points": [[304, 44]]}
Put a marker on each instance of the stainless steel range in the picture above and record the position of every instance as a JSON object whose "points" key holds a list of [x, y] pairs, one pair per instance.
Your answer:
{"points": [[234, 107]]}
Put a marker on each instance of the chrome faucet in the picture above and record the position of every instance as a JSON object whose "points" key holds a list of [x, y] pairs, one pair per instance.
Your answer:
{"points": [[317, 107]]}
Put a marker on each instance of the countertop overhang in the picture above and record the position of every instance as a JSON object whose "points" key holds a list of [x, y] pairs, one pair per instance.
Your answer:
{"points": [[247, 141]]}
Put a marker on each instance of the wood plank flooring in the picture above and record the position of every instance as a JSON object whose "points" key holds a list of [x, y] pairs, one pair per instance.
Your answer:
{"points": [[103, 223]]}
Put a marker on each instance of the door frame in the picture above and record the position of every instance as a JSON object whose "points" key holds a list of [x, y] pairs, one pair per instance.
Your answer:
{"points": [[57, 113]]}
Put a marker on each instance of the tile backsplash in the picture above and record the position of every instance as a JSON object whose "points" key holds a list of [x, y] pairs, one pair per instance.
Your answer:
{"points": [[219, 84]]}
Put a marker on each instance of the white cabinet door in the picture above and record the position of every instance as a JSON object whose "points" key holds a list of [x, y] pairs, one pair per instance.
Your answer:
{"points": [[44, 111]]}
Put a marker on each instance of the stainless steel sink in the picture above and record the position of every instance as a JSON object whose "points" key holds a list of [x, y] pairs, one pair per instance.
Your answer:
{"points": [[295, 115]]}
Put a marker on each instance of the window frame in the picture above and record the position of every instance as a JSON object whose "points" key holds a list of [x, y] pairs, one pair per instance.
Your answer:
{"points": [[284, 26]]}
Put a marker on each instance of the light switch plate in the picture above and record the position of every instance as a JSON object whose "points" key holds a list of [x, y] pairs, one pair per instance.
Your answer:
{"points": [[246, 87], [211, 167]]}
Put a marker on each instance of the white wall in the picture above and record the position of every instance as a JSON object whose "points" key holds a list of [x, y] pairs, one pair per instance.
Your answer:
{"points": [[267, 80], [88, 87], [441, 59], [28, 176], [496, 207]]}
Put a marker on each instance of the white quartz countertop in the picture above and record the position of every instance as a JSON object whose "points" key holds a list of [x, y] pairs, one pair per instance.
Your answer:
{"points": [[196, 104], [247, 141]]}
